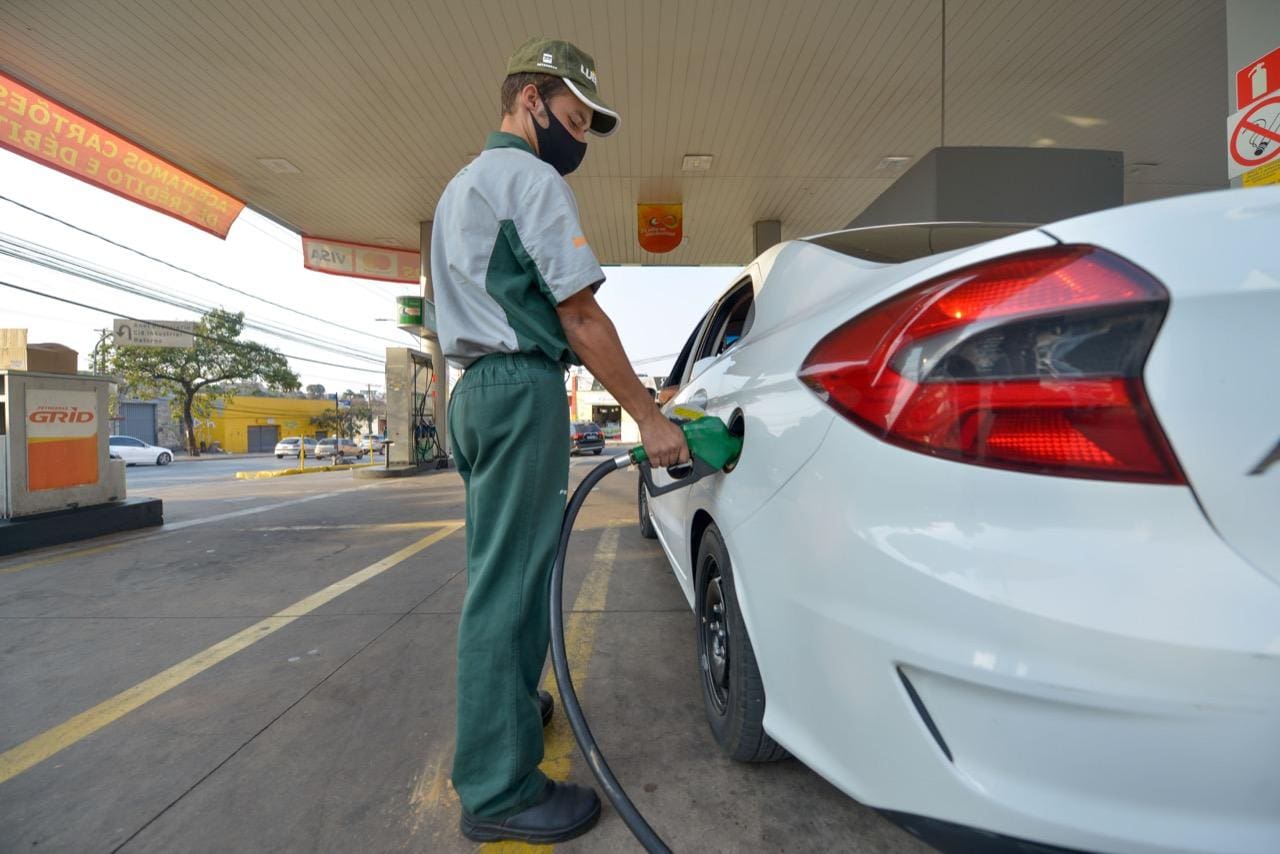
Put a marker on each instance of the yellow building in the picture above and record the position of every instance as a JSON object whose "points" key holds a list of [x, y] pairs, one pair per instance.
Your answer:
{"points": [[245, 424]]}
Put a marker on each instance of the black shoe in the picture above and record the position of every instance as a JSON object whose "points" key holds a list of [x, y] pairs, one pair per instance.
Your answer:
{"points": [[547, 705], [566, 811]]}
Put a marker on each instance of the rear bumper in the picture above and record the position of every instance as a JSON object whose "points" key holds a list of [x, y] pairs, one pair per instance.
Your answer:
{"points": [[579, 447], [1106, 680]]}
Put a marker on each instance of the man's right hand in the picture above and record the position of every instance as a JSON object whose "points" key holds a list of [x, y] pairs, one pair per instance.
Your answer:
{"points": [[663, 441]]}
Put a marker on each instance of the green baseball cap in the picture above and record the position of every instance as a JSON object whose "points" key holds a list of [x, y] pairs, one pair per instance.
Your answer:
{"points": [[575, 67]]}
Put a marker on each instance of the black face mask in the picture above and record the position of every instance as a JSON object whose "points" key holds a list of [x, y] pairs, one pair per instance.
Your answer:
{"points": [[557, 146]]}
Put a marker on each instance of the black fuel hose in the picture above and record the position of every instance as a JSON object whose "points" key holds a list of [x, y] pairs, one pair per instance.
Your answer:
{"points": [[613, 790]]}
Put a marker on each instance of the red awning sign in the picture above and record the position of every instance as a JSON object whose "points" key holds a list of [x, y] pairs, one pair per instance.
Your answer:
{"points": [[1253, 137]]}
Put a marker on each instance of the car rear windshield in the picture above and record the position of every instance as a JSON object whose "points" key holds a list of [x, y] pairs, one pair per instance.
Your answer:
{"points": [[584, 425], [894, 244]]}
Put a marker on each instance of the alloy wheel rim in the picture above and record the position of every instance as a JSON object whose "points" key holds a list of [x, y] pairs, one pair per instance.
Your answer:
{"points": [[713, 635]]}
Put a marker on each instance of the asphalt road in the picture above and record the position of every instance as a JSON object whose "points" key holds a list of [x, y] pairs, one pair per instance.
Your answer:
{"points": [[273, 671], [201, 470]]}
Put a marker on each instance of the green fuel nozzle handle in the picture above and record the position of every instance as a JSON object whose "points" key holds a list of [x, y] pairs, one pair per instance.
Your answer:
{"points": [[711, 445]]}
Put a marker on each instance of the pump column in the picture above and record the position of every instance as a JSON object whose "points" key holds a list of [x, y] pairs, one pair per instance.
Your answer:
{"points": [[440, 370]]}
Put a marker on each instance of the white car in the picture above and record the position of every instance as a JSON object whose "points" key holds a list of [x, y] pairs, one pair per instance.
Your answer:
{"points": [[290, 445], [1002, 550], [136, 452]]}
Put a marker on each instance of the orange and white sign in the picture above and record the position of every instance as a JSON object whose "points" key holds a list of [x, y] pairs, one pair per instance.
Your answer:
{"points": [[361, 260], [43, 130], [62, 439], [660, 228]]}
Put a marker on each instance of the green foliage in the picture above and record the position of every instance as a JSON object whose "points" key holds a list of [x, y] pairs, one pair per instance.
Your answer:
{"points": [[194, 376], [345, 422]]}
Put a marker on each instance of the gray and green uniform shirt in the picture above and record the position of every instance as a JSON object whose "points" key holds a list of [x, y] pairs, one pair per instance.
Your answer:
{"points": [[506, 248]]}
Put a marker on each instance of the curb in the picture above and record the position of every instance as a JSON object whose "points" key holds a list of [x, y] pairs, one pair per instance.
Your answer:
{"points": [[398, 471], [263, 475]]}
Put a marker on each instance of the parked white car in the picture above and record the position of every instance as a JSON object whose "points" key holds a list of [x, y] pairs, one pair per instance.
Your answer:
{"points": [[136, 452], [1001, 550]]}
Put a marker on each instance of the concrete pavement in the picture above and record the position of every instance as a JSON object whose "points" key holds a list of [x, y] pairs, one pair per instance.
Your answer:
{"points": [[273, 671]]}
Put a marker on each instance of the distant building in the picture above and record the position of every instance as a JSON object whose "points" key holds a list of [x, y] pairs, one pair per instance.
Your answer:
{"points": [[252, 424], [590, 402]]}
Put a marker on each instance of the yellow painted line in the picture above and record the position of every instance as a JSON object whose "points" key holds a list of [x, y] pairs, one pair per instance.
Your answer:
{"points": [[434, 791], [372, 526], [18, 567], [34, 751]]}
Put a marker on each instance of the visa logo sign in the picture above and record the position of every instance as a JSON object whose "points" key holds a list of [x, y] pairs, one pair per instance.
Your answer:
{"points": [[322, 255]]}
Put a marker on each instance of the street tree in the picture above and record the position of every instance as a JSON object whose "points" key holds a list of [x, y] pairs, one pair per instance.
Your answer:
{"points": [[315, 391], [197, 376], [344, 422]]}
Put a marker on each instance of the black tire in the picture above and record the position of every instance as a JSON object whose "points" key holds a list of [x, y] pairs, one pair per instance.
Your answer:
{"points": [[598, 451], [164, 459], [279, 456], [732, 690], [642, 507]]}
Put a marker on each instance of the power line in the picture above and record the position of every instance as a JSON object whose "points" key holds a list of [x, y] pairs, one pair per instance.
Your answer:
{"points": [[225, 341], [43, 256], [189, 272]]}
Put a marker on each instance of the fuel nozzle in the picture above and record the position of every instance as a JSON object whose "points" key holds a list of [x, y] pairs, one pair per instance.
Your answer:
{"points": [[711, 445]]}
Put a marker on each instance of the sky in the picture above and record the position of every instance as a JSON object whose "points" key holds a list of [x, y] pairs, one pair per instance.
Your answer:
{"points": [[654, 308]]}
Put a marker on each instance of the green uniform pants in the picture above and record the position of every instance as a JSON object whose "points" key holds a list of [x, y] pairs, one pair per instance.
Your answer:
{"points": [[509, 423]]}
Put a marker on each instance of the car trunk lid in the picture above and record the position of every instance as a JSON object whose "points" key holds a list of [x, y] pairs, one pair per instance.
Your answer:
{"points": [[1212, 373]]}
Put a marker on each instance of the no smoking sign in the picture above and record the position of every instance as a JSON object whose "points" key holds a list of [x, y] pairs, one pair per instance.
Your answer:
{"points": [[1253, 137]]}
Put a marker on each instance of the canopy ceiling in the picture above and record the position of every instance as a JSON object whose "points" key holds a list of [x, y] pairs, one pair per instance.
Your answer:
{"points": [[379, 102]]}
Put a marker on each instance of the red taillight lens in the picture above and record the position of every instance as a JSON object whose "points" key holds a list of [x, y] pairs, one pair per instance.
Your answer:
{"points": [[1032, 362]]}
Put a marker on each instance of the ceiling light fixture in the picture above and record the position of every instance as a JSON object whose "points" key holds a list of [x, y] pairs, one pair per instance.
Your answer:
{"points": [[696, 162], [1083, 121], [279, 165], [893, 164]]}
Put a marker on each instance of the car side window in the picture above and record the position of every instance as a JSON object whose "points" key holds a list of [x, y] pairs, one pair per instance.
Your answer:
{"points": [[683, 361], [731, 321]]}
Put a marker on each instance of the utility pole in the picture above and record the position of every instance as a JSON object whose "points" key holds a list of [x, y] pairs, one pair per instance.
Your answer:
{"points": [[99, 356]]}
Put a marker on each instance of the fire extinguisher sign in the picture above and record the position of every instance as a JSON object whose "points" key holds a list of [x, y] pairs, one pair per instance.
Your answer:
{"points": [[1253, 132], [1258, 79]]}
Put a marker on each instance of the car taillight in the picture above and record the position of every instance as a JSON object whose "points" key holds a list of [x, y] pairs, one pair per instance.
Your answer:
{"points": [[1030, 362], [577, 436]]}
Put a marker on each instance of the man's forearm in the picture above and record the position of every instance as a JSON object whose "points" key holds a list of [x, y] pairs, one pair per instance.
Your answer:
{"points": [[593, 337]]}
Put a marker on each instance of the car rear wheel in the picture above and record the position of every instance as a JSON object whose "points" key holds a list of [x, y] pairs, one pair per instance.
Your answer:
{"points": [[164, 459], [642, 505], [598, 451], [732, 690]]}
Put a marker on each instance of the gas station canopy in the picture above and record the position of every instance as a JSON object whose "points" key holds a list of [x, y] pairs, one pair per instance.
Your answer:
{"points": [[346, 120]]}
